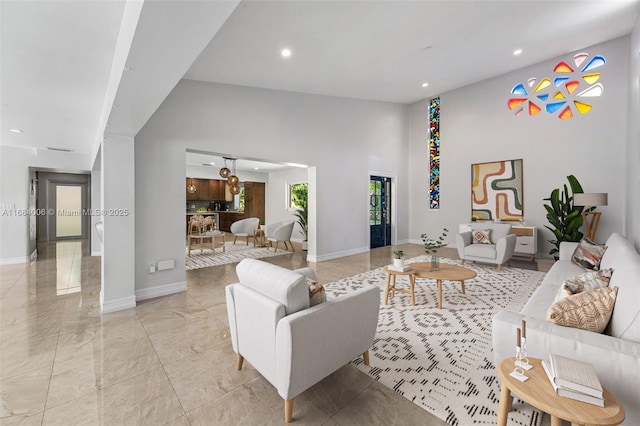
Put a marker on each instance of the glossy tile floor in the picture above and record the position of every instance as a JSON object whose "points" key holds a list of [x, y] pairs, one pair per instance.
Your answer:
{"points": [[168, 361]]}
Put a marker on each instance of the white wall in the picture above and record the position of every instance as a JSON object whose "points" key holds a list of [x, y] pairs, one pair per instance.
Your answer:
{"points": [[633, 141], [15, 244], [344, 138], [476, 126], [276, 197]]}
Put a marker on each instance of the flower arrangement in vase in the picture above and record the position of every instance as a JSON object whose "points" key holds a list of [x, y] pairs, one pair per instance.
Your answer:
{"points": [[431, 247]]}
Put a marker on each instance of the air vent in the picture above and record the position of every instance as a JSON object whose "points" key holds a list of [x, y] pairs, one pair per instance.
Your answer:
{"points": [[50, 148]]}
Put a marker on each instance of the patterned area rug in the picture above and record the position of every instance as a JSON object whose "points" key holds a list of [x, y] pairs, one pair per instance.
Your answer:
{"points": [[442, 360], [232, 254]]}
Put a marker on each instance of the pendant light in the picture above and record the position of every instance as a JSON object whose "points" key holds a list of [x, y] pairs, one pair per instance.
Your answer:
{"points": [[225, 172], [233, 179], [191, 188]]}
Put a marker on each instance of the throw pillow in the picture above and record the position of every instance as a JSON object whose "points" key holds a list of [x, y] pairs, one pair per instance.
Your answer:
{"points": [[481, 237], [585, 282], [317, 294], [588, 254], [590, 310]]}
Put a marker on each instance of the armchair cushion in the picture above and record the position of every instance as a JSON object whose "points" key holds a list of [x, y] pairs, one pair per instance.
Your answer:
{"points": [[286, 287]]}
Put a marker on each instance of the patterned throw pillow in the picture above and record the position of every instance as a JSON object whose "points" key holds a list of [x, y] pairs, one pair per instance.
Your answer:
{"points": [[588, 254], [585, 282], [481, 237], [317, 294], [590, 310]]}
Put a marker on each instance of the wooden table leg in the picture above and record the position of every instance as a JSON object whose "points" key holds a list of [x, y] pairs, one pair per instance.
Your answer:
{"points": [[556, 421], [439, 294], [462, 284], [412, 283], [386, 291], [505, 405], [393, 285]]}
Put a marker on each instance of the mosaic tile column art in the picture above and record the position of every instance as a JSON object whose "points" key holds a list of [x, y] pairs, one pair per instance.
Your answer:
{"points": [[434, 153]]}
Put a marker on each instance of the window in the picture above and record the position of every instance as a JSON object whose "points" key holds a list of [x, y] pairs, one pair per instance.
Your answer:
{"points": [[297, 194]]}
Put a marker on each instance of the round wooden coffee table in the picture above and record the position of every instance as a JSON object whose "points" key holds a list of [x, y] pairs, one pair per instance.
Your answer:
{"points": [[446, 272], [538, 392]]}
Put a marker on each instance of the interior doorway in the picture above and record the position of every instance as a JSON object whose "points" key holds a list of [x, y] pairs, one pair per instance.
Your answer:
{"points": [[380, 213], [65, 199]]}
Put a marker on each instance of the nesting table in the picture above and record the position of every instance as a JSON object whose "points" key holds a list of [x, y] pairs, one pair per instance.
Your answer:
{"points": [[446, 272]]}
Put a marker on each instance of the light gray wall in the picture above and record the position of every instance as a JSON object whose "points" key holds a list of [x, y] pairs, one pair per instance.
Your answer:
{"points": [[205, 172], [16, 245], [344, 138], [276, 196], [633, 141], [476, 126]]}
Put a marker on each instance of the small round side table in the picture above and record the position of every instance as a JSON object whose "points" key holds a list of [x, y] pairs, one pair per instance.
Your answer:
{"points": [[391, 284]]}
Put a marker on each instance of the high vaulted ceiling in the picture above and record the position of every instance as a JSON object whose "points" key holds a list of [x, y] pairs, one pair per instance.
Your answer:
{"points": [[64, 82]]}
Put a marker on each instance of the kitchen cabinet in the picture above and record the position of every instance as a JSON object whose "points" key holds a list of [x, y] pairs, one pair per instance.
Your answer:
{"points": [[227, 218], [254, 199], [217, 189], [207, 190]]}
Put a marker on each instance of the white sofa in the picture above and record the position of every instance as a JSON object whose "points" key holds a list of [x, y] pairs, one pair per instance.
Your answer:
{"points": [[615, 354], [292, 345]]}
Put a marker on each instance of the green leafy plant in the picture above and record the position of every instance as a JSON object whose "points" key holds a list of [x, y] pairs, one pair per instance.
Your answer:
{"points": [[565, 218], [398, 254], [431, 246], [299, 196]]}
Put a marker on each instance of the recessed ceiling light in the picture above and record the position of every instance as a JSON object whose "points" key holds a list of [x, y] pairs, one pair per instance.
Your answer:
{"points": [[285, 53], [517, 52], [15, 130], [256, 168], [425, 84]]}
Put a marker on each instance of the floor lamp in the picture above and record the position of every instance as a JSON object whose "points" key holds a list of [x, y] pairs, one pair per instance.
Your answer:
{"points": [[591, 218]]}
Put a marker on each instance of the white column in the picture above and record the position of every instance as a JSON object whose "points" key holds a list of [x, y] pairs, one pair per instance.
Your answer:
{"points": [[118, 200], [96, 205]]}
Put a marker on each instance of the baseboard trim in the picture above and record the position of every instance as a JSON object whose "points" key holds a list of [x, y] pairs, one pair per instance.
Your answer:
{"points": [[117, 305], [336, 255], [162, 290], [14, 260]]}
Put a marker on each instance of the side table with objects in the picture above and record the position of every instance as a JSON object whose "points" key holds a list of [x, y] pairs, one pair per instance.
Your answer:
{"points": [[391, 284], [538, 392]]}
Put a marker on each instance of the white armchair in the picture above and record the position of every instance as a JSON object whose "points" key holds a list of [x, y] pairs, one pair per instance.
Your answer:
{"points": [[498, 252], [280, 231], [245, 228], [292, 345]]}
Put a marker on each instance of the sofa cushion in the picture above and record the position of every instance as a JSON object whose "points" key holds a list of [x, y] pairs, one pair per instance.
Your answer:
{"points": [[584, 282], [487, 251], [286, 287], [590, 310], [481, 236], [588, 254]]}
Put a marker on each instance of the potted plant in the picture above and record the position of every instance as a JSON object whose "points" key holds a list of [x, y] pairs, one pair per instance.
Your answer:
{"points": [[431, 247], [262, 224], [565, 218], [398, 260]]}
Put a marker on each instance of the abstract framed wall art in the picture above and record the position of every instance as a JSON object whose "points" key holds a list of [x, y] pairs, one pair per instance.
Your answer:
{"points": [[496, 190]]}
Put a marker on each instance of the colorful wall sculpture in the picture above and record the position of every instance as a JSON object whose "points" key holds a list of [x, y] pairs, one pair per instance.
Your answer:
{"points": [[566, 93], [496, 190], [434, 153]]}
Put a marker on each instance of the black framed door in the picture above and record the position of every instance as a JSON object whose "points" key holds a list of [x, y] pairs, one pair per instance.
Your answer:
{"points": [[380, 211]]}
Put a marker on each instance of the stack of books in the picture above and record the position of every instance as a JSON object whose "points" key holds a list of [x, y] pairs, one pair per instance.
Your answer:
{"points": [[405, 268], [574, 379]]}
